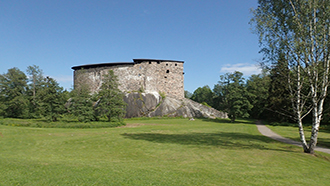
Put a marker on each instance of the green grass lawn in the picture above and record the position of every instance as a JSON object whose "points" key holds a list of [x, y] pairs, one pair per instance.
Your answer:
{"points": [[156, 152], [293, 133]]}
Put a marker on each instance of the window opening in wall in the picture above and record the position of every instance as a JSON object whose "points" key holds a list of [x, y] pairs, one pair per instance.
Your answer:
{"points": [[166, 64], [149, 62], [158, 62], [165, 77], [176, 64], [167, 71], [140, 67]]}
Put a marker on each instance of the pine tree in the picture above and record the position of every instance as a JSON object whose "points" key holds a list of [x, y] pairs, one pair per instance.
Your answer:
{"points": [[52, 99], [257, 87], [82, 104], [111, 103], [279, 96]]}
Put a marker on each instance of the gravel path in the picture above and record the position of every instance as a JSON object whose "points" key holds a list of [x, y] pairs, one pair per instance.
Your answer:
{"points": [[269, 133]]}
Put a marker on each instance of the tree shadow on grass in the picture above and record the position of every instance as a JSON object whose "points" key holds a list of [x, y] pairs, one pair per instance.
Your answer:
{"points": [[324, 142], [221, 120], [325, 128], [221, 140]]}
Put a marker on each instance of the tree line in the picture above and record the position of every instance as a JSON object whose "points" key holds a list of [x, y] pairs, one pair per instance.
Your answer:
{"points": [[261, 96], [265, 96], [36, 96]]}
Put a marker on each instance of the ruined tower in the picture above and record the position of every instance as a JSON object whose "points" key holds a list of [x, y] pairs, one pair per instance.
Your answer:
{"points": [[148, 75]]}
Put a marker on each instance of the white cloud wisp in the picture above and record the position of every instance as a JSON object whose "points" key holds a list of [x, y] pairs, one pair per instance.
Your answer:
{"points": [[245, 68]]}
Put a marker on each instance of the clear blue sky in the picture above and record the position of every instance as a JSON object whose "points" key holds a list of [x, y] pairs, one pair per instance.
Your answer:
{"points": [[212, 36]]}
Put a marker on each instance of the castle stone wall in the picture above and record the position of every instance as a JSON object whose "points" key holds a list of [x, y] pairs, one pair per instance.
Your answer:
{"points": [[149, 75]]}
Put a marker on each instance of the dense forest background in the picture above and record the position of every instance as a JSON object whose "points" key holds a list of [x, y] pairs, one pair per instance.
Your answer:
{"points": [[263, 96]]}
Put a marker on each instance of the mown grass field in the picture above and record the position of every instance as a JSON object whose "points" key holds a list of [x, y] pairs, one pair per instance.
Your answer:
{"points": [[156, 152], [292, 133]]}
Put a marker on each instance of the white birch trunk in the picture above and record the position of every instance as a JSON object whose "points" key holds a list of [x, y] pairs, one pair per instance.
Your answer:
{"points": [[304, 28], [299, 112], [317, 98]]}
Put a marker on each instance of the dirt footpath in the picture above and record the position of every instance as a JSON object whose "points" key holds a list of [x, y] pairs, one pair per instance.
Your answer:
{"points": [[269, 133]]}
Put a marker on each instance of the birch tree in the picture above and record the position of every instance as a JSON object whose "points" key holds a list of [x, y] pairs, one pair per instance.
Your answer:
{"points": [[298, 31], [36, 78]]}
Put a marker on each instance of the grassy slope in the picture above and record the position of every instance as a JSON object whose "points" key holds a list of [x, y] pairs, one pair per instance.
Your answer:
{"points": [[293, 133], [157, 152]]}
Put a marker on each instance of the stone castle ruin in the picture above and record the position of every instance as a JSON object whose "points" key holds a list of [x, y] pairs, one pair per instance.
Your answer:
{"points": [[146, 75], [152, 87]]}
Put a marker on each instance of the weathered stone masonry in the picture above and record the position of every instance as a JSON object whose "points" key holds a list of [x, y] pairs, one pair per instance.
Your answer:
{"points": [[149, 75]]}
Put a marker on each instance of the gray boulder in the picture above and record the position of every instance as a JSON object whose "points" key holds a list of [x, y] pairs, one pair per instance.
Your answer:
{"points": [[152, 105]]}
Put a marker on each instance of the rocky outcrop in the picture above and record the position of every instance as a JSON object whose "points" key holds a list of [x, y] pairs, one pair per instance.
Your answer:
{"points": [[152, 104]]}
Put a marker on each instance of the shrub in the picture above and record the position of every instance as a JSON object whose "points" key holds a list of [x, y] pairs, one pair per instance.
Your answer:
{"points": [[162, 94], [204, 103], [60, 124]]}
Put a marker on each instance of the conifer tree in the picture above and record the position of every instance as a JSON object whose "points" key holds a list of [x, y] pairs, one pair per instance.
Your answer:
{"points": [[279, 95], [81, 103], [257, 87], [111, 103], [52, 99]]}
